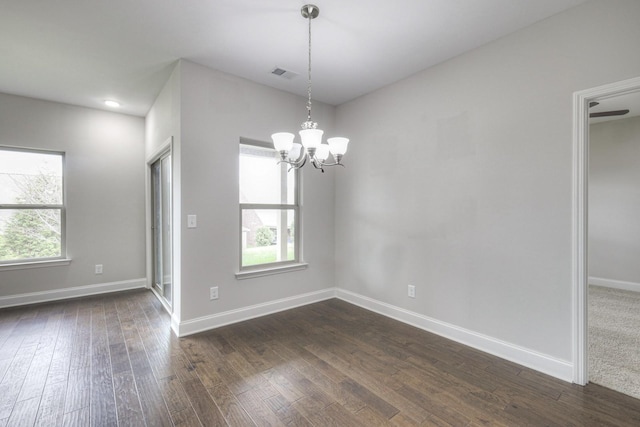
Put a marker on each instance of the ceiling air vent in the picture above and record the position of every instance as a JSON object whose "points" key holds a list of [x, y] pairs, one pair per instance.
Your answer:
{"points": [[283, 73]]}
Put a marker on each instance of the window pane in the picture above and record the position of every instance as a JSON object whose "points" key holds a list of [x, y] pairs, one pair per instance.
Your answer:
{"points": [[268, 235], [30, 178], [262, 179], [30, 233]]}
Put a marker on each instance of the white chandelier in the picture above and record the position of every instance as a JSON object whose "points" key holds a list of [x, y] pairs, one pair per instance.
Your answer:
{"points": [[312, 149]]}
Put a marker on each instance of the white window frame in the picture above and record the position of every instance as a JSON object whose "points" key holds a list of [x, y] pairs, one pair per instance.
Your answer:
{"points": [[296, 207], [44, 261]]}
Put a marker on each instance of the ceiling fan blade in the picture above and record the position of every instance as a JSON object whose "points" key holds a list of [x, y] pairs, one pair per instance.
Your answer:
{"points": [[609, 113]]}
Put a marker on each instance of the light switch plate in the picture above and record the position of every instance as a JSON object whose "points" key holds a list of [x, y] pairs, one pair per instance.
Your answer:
{"points": [[192, 221]]}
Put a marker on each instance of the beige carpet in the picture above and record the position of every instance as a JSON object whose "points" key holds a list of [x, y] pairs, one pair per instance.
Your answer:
{"points": [[614, 339]]}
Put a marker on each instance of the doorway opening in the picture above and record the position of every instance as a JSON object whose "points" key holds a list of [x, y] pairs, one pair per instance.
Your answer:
{"points": [[580, 270]]}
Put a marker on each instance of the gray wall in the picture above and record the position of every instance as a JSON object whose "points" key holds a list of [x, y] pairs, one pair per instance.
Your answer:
{"points": [[216, 109], [104, 189], [459, 178], [614, 200]]}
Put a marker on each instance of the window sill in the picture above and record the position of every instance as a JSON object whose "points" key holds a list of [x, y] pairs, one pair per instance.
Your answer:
{"points": [[35, 264], [249, 274]]}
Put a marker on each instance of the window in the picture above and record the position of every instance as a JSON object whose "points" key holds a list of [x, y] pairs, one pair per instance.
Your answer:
{"points": [[32, 210], [269, 208]]}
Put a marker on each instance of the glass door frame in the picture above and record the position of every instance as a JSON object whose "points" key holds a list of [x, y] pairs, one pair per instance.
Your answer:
{"points": [[159, 251]]}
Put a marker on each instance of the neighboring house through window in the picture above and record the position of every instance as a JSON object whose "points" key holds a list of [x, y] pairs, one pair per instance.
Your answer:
{"points": [[269, 208], [32, 210]]}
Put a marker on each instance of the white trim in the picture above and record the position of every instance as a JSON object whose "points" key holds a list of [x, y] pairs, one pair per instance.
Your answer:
{"points": [[166, 148], [74, 292], [616, 284], [523, 356], [35, 264], [541, 362], [175, 325], [249, 274], [579, 236], [213, 321]]}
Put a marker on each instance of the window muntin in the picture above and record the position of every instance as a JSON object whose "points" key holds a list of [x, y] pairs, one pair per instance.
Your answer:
{"points": [[32, 208], [269, 209]]}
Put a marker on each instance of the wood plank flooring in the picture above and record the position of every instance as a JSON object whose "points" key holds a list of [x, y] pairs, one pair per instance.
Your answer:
{"points": [[113, 361]]}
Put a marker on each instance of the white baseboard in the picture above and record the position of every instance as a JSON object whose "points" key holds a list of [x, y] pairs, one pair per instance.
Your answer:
{"points": [[175, 325], [550, 365], [75, 292], [617, 284], [540, 362], [213, 321]]}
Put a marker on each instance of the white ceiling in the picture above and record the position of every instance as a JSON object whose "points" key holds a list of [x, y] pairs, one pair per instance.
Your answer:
{"points": [[84, 51]]}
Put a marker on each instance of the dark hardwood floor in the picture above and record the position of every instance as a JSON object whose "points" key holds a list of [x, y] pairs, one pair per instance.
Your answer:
{"points": [[112, 360]]}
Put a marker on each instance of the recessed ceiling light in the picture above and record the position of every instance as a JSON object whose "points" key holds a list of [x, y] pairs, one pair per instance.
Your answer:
{"points": [[110, 103]]}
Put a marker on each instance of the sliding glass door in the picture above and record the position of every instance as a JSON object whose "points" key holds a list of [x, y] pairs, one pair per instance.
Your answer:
{"points": [[161, 226]]}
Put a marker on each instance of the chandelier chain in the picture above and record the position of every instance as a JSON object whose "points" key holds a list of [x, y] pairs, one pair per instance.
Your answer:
{"points": [[309, 73]]}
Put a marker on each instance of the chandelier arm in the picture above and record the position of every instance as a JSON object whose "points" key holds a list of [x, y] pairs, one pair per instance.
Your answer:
{"points": [[292, 165], [323, 164], [317, 164], [301, 162], [295, 164]]}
